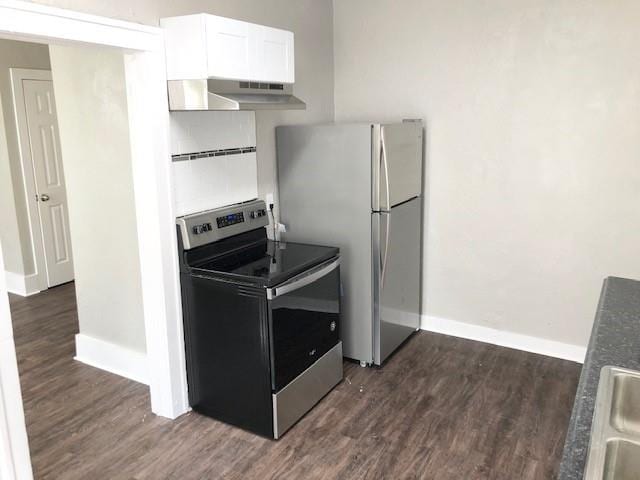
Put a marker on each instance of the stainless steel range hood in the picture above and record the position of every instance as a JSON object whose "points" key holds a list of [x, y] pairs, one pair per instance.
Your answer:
{"points": [[209, 94]]}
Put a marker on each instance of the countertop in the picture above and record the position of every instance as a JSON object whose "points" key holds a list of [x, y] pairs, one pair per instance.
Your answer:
{"points": [[615, 340]]}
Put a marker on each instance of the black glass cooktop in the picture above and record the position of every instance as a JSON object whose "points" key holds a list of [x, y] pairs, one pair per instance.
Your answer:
{"points": [[268, 263]]}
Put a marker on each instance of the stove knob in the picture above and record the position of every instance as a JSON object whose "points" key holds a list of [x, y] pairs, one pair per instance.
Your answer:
{"points": [[252, 215]]}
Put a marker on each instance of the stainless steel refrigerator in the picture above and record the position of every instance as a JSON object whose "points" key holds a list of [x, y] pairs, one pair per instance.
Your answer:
{"points": [[359, 187]]}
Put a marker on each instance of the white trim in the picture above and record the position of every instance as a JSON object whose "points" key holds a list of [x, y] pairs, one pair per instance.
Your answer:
{"points": [[148, 110], [503, 338], [149, 135], [21, 20], [31, 284], [15, 462], [28, 171], [112, 358], [15, 283], [23, 285], [145, 73]]}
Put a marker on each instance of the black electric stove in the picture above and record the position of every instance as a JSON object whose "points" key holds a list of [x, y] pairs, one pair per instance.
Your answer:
{"points": [[261, 319]]}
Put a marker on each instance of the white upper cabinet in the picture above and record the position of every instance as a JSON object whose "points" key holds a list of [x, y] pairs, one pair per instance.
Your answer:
{"points": [[273, 55], [229, 48], [206, 46]]}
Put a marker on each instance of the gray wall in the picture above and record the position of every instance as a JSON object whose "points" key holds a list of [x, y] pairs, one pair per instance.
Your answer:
{"points": [[533, 145], [310, 20], [14, 224], [89, 85]]}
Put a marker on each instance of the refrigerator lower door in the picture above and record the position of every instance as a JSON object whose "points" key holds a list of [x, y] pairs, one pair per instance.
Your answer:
{"points": [[396, 276], [396, 164]]}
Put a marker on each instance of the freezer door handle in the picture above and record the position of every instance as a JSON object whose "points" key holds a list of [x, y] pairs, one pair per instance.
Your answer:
{"points": [[303, 279], [384, 255]]}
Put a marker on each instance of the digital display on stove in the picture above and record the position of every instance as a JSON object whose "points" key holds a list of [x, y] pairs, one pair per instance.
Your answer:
{"points": [[230, 219]]}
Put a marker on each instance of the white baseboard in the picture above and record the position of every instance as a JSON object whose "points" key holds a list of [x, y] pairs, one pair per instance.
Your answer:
{"points": [[32, 284], [112, 358], [502, 338], [23, 285]]}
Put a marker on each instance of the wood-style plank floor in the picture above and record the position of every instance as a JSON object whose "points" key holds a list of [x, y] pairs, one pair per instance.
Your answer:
{"points": [[441, 408]]}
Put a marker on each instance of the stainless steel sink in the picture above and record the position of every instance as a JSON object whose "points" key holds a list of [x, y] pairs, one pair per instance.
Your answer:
{"points": [[625, 404], [614, 450], [622, 460]]}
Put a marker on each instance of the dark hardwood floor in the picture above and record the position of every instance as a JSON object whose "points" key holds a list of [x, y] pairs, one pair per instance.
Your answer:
{"points": [[441, 408]]}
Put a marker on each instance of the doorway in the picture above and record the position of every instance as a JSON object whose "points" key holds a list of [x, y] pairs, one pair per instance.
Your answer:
{"points": [[43, 175], [149, 125]]}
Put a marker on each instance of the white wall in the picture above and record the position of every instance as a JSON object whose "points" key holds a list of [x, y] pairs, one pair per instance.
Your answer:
{"points": [[533, 146], [14, 223], [205, 183], [89, 85]]}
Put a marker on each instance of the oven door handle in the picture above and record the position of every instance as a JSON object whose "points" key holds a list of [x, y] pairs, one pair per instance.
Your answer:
{"points": [[303, 279]]}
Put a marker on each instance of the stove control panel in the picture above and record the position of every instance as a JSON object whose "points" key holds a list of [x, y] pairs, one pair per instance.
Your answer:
{"points": [[258, 213], [231, 219], [212, 225], [198, 229]]}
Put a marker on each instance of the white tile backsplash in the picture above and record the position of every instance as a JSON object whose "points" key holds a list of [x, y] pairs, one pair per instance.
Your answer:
{"points": [[203, 131], [214, 182]]}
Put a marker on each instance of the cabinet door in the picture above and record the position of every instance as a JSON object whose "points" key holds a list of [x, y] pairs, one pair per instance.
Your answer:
{"points": [[185, 44], [229, 49], [272, 59]]}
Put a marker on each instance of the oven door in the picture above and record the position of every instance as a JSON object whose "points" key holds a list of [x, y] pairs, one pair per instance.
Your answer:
{"points": [[304, 320]]}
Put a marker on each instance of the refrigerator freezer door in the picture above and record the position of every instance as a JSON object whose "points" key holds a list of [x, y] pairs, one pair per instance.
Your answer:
{"points": [[397, 164], [397, 280]]}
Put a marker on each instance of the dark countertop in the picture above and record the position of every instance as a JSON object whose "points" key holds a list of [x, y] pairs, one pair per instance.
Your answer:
{"points": [[615, 340]]}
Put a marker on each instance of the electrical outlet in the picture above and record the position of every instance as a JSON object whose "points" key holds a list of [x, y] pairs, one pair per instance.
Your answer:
{"points": [[269, 199]]}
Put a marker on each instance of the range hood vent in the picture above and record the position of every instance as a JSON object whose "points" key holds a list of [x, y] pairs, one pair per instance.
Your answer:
{"points": [[262, 86], [210, 94]]}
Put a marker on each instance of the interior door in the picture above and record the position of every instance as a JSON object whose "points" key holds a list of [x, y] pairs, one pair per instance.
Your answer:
{"points": [[42, 125], [400, 164], [397, 267]]}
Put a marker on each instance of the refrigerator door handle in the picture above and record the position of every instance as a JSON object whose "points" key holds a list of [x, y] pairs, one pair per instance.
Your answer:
{"points": [[385, 164], [384, 257], [386, 215]]}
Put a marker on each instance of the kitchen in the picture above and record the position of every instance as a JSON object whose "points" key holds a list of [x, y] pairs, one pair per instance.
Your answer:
{"points": [[515, 199]]}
